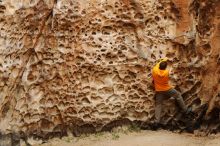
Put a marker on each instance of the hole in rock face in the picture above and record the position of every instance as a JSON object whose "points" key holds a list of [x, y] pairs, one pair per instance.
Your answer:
{"points": [[129, 25], [94, 97], [79, 59], [31, 77], [139, 16], [116, 5], [170, 55], [86, 129], [147, 21], [5, 108], [106, 33], [206, 48], [83, 12], [153, 56], [115, 50], [45, 124], [175, 10], [197, 102], [160, 8], [134, 87], [157, 18], [2, 8], [98, 59], [116, 123], [123, 47], [190, 76], [106, 90], [85, 101], [161, 31], [103, 50], [132, 74]]}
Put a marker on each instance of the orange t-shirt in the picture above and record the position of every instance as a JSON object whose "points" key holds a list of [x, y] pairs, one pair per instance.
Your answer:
{"points": [[161, 78]]}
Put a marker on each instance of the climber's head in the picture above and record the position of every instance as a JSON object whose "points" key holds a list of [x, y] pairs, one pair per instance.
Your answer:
{"points": [[163, 65]]}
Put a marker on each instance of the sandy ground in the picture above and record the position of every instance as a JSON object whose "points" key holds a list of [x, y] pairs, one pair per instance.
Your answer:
{"points": [[136, 138]]}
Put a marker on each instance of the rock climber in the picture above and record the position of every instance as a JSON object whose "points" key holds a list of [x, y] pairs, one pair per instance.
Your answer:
{"points": [[164, 90]]}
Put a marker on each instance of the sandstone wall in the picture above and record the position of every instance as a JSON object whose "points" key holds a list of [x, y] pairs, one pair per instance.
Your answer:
{"points": [[81, 65]]}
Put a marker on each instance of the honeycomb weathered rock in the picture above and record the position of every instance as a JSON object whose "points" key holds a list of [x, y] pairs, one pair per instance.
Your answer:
{"points": [[81, 65]]}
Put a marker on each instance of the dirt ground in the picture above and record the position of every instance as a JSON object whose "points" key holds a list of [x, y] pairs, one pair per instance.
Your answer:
{"points": [[136, 138]]}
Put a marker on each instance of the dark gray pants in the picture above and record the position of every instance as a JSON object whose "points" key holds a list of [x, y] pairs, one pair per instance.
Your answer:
{"points": [[162, 95]]}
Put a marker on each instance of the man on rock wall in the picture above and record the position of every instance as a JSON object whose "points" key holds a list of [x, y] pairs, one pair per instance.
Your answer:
{"points": [[164, 90]]}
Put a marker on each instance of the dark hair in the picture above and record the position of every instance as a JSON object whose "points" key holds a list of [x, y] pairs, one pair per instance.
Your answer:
{"points": [[163, 65]]}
